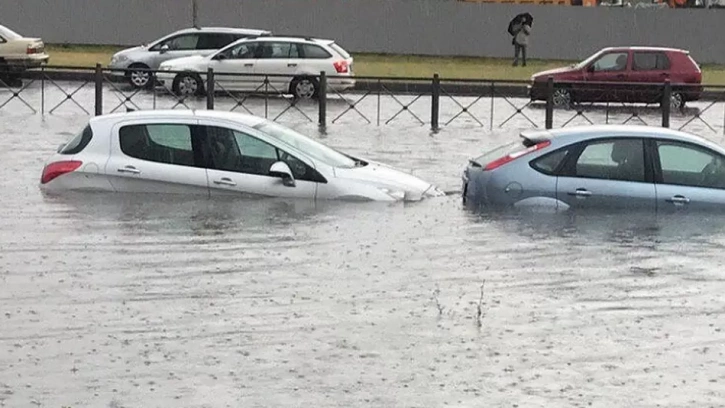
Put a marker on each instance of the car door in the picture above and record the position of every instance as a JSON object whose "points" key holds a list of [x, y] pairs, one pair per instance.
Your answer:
{"points": [[649, 67], [688, 177], [178, 46], [607, 174], [605, 78], [278, 62], [234, 67], [157, 156], [239, 164]]}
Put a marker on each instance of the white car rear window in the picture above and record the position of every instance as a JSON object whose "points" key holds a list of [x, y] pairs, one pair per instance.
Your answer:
{"points": [[9, 34], [340, 50]]}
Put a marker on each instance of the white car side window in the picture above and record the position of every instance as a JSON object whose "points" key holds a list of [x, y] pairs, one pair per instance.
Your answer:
{"points": [[159, 143]]}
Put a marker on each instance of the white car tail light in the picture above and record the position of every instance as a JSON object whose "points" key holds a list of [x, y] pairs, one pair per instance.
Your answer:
{"points": [[59, 168], [341, 67]]}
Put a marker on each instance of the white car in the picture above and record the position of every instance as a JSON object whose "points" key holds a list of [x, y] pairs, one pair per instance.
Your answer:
{"points": [[293, 62], [183, 43], [17, 53], [214, 153]]}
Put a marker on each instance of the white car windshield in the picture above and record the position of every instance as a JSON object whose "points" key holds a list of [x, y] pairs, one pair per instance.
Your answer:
{"points": [[9, 34], [306, 145]]}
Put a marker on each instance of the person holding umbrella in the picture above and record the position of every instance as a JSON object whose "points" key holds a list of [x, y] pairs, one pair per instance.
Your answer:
{"points": [[520, 29]]}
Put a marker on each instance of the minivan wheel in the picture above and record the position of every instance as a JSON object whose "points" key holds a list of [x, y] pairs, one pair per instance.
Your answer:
{"points": [[304, 88], [139, 79], [561, 98], [187, 84]]}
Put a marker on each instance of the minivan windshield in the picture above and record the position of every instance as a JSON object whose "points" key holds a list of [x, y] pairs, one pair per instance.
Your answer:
{"points": [[306, 145]]}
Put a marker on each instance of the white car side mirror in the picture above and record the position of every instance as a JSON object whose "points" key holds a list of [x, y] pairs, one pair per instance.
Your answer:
{"points": [[164, 48], [281, 169]]}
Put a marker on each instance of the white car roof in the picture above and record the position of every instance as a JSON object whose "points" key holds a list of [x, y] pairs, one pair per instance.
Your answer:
{"points": [[300, 39], [241, 118], [222, 30]]}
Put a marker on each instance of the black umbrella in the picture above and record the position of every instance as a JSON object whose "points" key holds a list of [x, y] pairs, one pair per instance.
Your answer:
{"points": [[518, 21]]}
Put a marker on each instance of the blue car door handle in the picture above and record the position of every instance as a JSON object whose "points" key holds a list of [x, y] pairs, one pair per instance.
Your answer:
{"points": [[580, 192], [678, 199]]}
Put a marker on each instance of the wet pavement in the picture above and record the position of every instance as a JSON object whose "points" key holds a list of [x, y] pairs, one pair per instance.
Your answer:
{"points": [[142, 301]]}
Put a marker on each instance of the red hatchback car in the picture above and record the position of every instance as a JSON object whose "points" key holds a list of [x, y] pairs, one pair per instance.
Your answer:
{"points": [[615, 74]]}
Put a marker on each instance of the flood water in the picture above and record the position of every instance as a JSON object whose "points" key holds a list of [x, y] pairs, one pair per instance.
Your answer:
{"points": [[141, 301]]}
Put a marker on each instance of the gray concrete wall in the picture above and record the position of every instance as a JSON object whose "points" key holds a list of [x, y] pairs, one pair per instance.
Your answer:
{"points": [[429, 27]]}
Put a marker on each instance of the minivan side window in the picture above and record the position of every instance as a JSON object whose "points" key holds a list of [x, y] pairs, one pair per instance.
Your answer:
{"points": [[615, 61], [619, 159], [650, 61], [161, 143], [687, 165], [214, 41], [183, 42]]}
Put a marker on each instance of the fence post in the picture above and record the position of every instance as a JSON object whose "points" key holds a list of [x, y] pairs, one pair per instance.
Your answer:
{"points": [[435, 102], [550, 103], [210, 89], [322, 100], [666, 103], [99, 89]]}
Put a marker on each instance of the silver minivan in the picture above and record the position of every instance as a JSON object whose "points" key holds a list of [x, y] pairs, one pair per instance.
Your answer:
{"points": [[183, 43]]}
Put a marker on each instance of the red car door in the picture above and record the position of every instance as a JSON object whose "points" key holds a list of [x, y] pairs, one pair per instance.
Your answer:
{"points": [[606, 78], [651, 69]]}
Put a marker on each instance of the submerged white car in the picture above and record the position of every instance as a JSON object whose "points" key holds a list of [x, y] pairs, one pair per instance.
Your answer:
{"points": [[215, 153]]}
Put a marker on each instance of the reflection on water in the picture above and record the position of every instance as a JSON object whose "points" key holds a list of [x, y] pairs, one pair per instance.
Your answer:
{"points": [[111, 300]]}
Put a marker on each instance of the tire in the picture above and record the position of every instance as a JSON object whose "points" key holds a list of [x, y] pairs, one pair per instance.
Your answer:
{"points": [[562, 98], [188, 84], [140, 79], [677, 101], [305, 88]]}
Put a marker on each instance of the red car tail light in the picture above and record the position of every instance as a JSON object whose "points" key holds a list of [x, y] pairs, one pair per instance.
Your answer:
{"points": [[515, 155], [32, 50], [57, 169], [341, 67]]}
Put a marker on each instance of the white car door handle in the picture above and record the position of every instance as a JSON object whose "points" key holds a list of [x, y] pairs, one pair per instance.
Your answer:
{"points": [[129, 169], [249, 64], [291, 64], [580, 192], [678, 199], [225, 181]]}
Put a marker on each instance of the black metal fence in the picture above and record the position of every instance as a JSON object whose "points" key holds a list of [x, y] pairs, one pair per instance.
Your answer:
{"points": [[434, 101]]}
